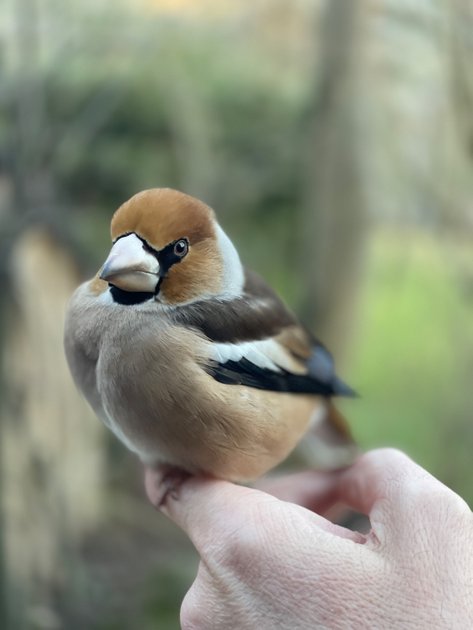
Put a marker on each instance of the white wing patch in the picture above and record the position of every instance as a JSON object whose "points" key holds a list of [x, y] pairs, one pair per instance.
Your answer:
{"points": [[267, 354]]}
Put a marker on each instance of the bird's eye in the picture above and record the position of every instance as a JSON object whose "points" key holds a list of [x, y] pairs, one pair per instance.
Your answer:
{"points": [[181, 247]]}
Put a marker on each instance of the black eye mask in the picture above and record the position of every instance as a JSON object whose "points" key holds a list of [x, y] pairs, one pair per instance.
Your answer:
{"points": [[166, 258]]}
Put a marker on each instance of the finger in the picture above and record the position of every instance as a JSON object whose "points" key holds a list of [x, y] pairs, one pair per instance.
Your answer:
{"points": [[390, 488], [214, 512], [211, 510], [317, 491], [203, 507], [376, 476]]}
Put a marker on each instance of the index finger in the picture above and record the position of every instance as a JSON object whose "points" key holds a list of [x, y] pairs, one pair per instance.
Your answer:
{"points": [[204, 508], [214, 512]]}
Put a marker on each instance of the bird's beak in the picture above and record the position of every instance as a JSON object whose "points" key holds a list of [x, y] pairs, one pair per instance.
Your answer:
{"points": [[130, 266]]}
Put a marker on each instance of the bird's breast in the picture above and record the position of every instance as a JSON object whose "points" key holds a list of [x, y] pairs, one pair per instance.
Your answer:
{"points": [[156, 396]]}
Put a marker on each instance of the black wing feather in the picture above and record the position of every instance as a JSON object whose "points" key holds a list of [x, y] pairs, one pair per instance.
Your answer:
{"points": [[244, 372]]}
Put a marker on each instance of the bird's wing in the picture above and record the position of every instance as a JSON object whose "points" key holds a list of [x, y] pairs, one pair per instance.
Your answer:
{"points": [[257, 342], [257, 314], [268, 365]]}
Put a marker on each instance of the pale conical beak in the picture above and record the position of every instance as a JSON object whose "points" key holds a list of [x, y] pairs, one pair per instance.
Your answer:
{"points": [[130, 266]]}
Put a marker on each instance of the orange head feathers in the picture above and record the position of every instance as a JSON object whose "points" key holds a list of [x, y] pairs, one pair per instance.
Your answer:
{"points": [[160, 215], [169, 244]]}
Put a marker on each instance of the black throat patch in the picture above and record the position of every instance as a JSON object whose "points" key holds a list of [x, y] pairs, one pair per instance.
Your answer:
{"points": [[129, 297]]}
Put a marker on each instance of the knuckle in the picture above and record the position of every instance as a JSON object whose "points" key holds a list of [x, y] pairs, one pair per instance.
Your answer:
{"points": [[191, 616], [387, 469], [241, 547], [432, 497], [385, 457], [246, 540]]}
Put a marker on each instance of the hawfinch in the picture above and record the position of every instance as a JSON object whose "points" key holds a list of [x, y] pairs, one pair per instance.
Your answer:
{"points": [[189, 358]]}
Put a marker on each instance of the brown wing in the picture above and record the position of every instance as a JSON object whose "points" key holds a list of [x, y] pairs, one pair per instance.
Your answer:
{"points": [[257, 314]]}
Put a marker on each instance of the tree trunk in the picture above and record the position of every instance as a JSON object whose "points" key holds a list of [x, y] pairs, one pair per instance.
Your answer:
{"points": [[51, 446], [334, 218]]}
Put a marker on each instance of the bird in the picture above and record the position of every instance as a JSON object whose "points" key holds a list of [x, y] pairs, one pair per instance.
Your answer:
{"points": [[191, 359]]}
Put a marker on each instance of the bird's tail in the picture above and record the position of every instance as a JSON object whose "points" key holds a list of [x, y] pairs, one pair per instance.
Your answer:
{"points": [[329, 443]]}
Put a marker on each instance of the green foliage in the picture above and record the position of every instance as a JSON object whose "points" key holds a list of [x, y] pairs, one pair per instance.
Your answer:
{"points": [[167, 109], [159, 602], [412, 358]]}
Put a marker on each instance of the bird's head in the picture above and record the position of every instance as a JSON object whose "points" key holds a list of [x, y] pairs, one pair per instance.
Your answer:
{"points": [[168, 246]]}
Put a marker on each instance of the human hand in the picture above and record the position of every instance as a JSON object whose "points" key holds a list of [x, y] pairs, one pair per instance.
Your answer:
{"points": [[270, 564]]}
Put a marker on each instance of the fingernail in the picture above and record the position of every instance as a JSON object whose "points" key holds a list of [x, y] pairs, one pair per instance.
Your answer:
{"points": [[171, 484], [164, 483]]}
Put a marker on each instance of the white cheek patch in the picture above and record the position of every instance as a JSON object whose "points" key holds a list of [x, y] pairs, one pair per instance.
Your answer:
{"points": [[233, 274]]}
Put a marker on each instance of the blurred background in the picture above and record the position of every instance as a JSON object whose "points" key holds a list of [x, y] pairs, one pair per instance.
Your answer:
{"points": [[335, 141]]}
